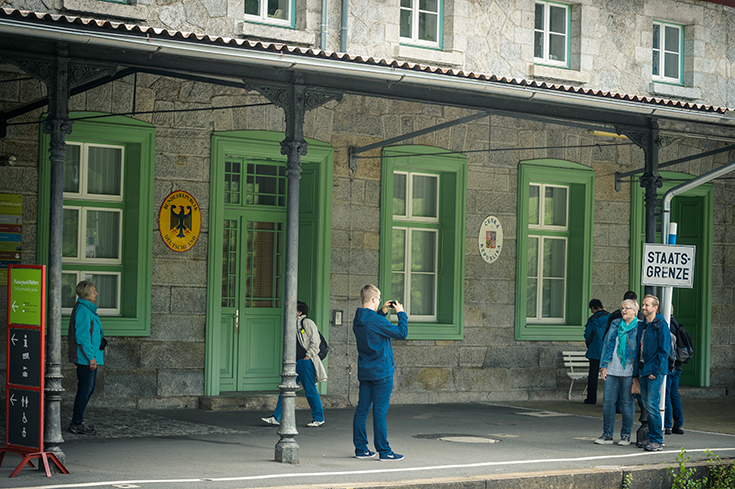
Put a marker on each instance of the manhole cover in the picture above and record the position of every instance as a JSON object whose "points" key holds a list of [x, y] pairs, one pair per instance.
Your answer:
{"points": [[468, 439]]}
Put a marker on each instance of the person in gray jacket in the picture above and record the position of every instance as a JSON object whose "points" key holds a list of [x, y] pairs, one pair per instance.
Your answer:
{"points": [[309, 368]]}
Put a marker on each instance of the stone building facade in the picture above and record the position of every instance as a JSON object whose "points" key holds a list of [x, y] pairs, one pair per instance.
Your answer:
{"points": [[488, 352]]}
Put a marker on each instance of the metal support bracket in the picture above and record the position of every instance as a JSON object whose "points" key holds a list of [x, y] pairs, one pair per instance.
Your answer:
{"points": [[352, 152]]}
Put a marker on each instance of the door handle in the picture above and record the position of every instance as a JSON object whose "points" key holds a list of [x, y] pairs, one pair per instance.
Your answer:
{"points": [[237, 321]]}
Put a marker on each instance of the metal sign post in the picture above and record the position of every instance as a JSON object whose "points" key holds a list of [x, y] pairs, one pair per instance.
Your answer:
{"points": [[26, 340]]}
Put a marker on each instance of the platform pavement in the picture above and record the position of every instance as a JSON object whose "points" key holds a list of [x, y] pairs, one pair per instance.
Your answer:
{"points": [[449, 446]]}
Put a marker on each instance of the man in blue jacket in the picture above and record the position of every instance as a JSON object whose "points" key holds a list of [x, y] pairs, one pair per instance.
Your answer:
{"points": [[593, 337], [85, 351], [654, 339], [375, 368]]}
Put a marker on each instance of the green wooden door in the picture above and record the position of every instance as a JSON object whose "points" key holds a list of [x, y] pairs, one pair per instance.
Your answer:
{"points": [[692, 212], [688, 303], [247, 245]]}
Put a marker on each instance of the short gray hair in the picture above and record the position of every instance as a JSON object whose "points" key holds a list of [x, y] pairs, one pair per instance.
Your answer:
{"points": [[84, 289], [631, 303]]}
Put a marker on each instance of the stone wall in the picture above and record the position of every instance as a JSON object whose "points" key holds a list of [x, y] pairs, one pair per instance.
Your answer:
{"points": [[167, 368]]}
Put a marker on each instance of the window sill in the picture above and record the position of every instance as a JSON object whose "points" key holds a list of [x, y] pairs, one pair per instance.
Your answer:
{"points": [[433, 56], [557, 74], [262, 32], [108, 9], [674, 91]]}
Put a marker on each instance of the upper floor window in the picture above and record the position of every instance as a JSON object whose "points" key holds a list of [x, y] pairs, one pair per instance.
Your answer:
{"points": [[668, 47], [421, 22], [277, 12], [551, 34]]}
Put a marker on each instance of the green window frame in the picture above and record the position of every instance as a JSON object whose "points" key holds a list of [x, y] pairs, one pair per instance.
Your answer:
{"points": [[129, 312], [280, 13], [667, 53], [446, 321], [577, 234], [552, 34], [427, 31]]}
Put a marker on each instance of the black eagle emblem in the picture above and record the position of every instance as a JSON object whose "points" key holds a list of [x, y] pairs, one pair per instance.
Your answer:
{"points": [[181, 220]]}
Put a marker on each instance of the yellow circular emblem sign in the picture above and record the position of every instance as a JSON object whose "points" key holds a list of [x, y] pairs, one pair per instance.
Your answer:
{"points": [[180, 221]]}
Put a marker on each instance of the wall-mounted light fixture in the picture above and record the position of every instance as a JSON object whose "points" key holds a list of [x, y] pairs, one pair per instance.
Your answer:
{"points": [[337, 318]]}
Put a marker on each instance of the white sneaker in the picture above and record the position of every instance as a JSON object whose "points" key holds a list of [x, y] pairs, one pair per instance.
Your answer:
{"points": [[271, 420], [604, 440], [315, 424]]}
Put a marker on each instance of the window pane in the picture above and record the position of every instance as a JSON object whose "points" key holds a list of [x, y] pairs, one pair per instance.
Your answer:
{"points": [[278, 9], [671, 39], [407, 3], [557, 47], [539, 23], [102, 234], [107, 289], [423, 251], [553, 299], [425, 194], [555, 206], [671, 65], [398, 254], [531, 299], [397, 281], [558, 19], [656, 36], [68, 289], [71, 168], [538, 45], [429, 5], [252, 7], [656, 63], [427, 27], [533, 203], [104, 171], [422, 294], [532, 257], [70, 233], [399, 194], [554, 257], [406, 23]]}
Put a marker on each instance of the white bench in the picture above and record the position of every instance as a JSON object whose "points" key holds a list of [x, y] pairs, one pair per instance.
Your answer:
{"points": [[579, 367]]}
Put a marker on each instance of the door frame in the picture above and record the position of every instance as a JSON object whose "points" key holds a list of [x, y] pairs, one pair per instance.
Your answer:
{"points": [[263, 144], [637, 224]]}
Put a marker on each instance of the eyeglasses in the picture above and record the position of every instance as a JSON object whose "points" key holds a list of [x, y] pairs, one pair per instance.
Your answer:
{"points": [[626, 309]]}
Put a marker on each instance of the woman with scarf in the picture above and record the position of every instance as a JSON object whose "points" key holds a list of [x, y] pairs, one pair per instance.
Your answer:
{"points": [[618, 353]]}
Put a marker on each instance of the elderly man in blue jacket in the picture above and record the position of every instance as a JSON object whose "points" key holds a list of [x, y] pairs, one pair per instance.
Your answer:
{"points": [[375, 368], [654, 339]]}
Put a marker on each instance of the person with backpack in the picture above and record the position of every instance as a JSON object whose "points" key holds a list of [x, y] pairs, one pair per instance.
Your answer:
{"points": [[673, 401], [593, 337], [309, 368]]}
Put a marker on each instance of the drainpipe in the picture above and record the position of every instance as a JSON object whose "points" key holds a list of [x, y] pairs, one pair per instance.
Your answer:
{"points": [[325, 24], [666, 213], [343, 26]]}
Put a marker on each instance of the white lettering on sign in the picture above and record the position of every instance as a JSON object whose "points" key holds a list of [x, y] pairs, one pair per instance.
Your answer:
{"points": [[668, 265]]}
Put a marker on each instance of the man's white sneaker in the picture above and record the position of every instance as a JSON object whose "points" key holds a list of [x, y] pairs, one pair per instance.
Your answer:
{"points": [[315, 424], [271, 420]]}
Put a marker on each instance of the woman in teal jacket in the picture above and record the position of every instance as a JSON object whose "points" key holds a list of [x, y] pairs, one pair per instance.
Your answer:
{"points": [[86, 351]]}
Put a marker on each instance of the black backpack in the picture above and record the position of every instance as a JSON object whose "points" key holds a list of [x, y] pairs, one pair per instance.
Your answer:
{"points": [[323, 347], [684, 345]]}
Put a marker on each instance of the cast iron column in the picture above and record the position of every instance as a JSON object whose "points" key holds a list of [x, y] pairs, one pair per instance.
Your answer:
{"points": [[58, 125], [651, 181]]}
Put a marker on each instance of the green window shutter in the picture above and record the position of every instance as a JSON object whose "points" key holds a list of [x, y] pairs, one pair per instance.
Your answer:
{"points": [[581, 182], [452, 171], [138, 139]]}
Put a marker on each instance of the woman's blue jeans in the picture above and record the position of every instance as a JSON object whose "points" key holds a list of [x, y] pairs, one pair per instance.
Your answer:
{"points": [[617, 388], [673, 401], [87, 381], [306, 374], [375, 393]]}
